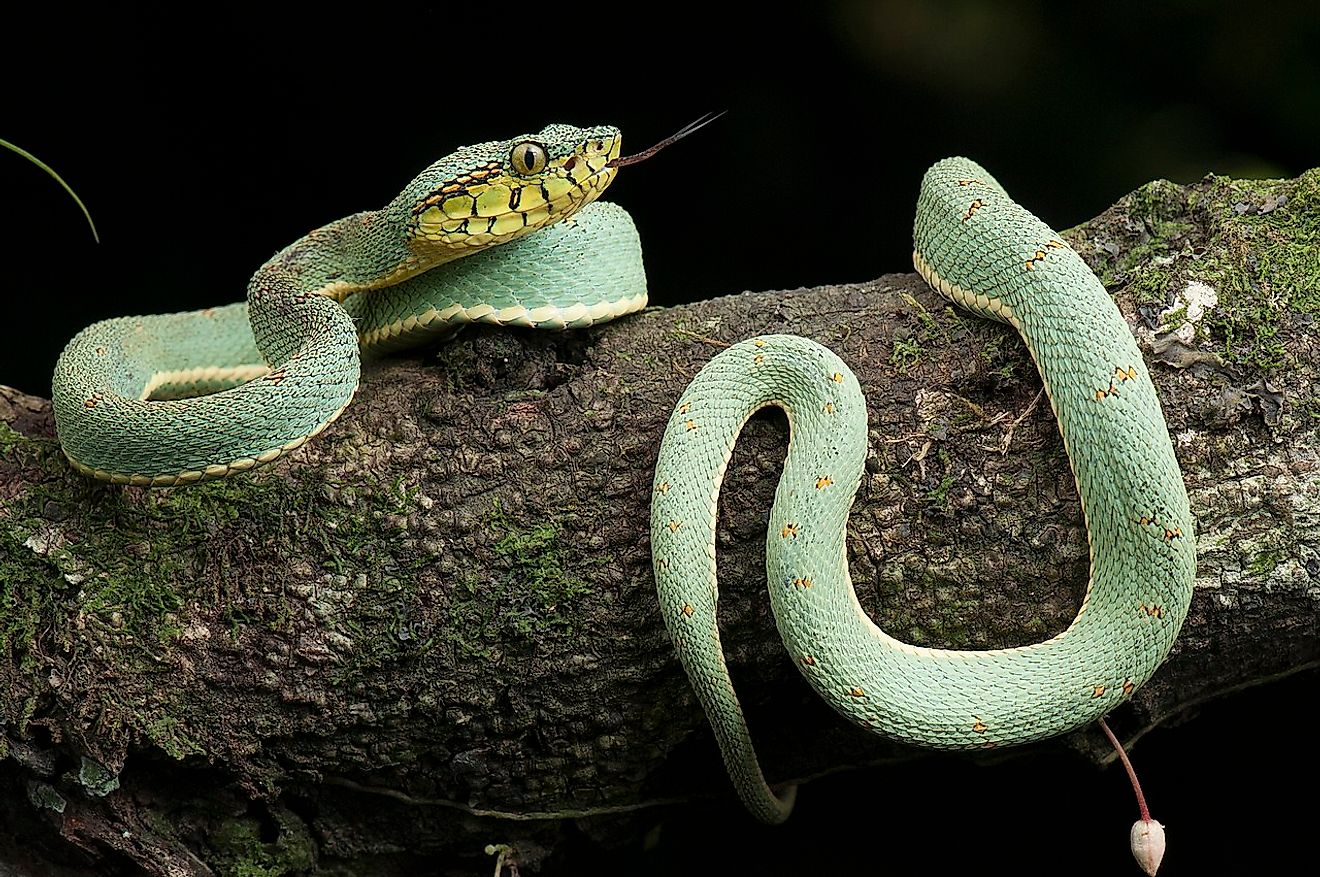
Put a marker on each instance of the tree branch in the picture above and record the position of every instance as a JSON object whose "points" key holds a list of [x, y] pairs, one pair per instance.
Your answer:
{"points": [[444, 604]]}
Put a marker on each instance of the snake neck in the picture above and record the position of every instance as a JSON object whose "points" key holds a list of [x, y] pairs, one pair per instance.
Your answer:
{"points": [[343, 258], [301, 287]]}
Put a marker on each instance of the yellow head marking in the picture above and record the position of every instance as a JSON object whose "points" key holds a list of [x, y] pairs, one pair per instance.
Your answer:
{"points": [[494, 193]]}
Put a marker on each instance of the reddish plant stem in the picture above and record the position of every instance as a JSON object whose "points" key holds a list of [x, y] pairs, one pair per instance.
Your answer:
{"points": [[1131, 772]]}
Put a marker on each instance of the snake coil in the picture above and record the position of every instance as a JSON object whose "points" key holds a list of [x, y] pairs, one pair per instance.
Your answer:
{"points": [[503, 232], [987, 254]]}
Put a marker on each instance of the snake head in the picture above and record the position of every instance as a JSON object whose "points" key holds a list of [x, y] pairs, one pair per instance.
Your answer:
{"points": [[492, 193]]}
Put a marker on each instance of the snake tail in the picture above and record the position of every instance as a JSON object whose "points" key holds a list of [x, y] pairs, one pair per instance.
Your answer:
{"points": [[994, 258]]}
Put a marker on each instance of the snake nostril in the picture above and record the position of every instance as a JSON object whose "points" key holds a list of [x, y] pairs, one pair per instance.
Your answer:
{"points": [[570, 162]]}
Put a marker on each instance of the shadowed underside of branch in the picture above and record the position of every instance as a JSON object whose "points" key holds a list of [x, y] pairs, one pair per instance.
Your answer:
{"points": [[435, 624]]}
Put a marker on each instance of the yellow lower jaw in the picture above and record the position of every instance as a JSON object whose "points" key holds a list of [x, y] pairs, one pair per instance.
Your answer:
{"points": [[484, 231]]}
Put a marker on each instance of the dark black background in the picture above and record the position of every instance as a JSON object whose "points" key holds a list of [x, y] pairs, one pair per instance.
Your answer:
{"points": [[204, 139], [204, 142]]}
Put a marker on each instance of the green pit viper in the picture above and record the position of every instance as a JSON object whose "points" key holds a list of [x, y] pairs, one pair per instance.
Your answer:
{"points": [[180, 398]]}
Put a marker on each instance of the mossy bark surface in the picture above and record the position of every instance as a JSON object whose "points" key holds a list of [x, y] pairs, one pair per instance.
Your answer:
{"points": [[434, 626]]}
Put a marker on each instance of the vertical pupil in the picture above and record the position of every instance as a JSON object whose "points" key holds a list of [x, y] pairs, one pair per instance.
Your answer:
{"points": [[529, 158]]}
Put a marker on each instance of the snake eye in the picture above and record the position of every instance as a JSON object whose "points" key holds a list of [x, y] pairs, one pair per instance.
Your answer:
{"points": [[528, 158]]}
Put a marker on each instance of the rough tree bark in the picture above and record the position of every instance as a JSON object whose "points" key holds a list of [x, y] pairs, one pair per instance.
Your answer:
{"points": [[435, 624]]}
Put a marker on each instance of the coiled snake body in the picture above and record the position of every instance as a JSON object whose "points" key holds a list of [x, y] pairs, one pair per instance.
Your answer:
{"points": [[180, 398], [991, 256]]}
